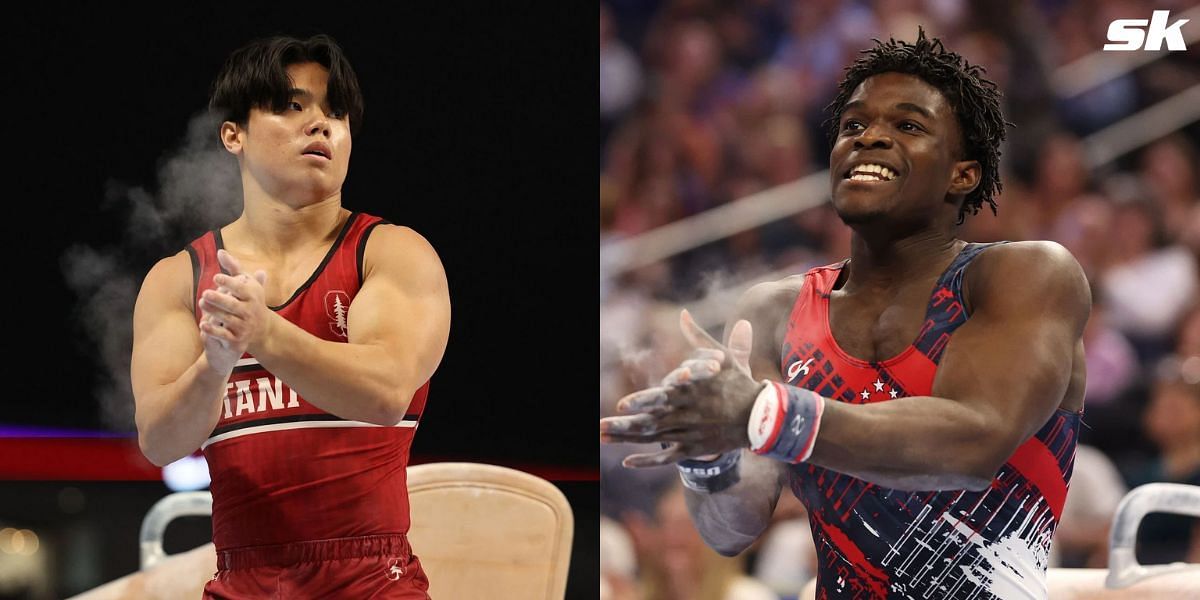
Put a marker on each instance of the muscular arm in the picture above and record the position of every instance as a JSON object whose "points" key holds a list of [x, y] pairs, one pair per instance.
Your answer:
{"points": [[730, 520], [398, 326], [176, 390], [1003, 374]]}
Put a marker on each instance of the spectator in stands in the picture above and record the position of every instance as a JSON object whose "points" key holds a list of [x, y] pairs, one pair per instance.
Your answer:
{"points": [[618, 563], [1172, 420], [1061, 177], [1080, 31], [1188, 337], [1081, 540], [677, 565], [620, 77], [1148, 284], [786, 558], [1168, 167], [1112, 363]]}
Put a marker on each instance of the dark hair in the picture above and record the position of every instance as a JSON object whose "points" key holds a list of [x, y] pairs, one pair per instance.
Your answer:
{"points": [[975, 100], [255, 76]]}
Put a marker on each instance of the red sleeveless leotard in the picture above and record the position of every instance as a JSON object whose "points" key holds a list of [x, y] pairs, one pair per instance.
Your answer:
{"points": [[283, 470]]}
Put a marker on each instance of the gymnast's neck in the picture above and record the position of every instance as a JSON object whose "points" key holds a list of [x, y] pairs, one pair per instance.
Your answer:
{"points": [[883, 259], [275, 228]]}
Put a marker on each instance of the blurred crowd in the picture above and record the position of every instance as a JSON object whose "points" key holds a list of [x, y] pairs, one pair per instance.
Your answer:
{"points": [[706, 102]]}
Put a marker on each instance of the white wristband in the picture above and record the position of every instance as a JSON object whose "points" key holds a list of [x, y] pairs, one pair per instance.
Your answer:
{"points": [[766, 418], [784, 422]]}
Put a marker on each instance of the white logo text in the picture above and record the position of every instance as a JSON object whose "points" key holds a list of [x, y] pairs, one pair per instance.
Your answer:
{"points": [[1130, 32]]}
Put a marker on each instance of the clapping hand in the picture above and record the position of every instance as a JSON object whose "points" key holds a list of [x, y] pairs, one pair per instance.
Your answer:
{"points": [[235, 315], [699, 409]]}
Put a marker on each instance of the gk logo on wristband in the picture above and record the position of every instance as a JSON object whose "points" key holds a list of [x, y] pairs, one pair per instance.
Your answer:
{"points": [[766, 418], [764, 423], [778, 405]]}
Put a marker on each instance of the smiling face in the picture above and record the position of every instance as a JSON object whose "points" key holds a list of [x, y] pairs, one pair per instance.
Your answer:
{"points": [[300, 154], [897, 155]]}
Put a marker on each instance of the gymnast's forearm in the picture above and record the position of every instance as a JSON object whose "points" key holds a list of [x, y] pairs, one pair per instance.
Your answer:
{"points": [[918, 443], [175, 418], [730, 520], [356, 381]]}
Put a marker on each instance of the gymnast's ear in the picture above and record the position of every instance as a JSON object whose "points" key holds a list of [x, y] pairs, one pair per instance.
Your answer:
{"points": [[231, 137], [965, 177]]}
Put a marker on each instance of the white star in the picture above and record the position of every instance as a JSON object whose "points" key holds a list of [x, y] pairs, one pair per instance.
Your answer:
{"points": [[878, 385], [865, 394], [893, 393]]}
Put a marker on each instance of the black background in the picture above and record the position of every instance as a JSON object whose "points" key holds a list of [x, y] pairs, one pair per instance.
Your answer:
{"points": [[473, 135]]}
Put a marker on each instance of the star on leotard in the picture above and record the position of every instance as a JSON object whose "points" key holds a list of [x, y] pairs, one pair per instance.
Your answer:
{"points": [[865, 394], [878, 385], [893, 393]]}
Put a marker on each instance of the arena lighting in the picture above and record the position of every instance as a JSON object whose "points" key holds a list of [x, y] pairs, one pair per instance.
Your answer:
{"points": [[1191, 370], [186, 474], [18, 541], [29, 545]]}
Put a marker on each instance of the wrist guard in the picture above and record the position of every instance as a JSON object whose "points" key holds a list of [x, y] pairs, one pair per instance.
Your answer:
{"points": [[710, 477], [784, 421]]}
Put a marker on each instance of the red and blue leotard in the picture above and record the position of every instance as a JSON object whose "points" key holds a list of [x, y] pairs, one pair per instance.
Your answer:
{"points": [[875, 542]]}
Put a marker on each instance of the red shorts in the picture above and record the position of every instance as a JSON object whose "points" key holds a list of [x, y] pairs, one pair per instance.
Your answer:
{"points": [[374, 566]]}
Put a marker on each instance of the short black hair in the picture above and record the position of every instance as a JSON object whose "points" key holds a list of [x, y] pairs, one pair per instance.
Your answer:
{"points": [[975, 100], [255, 76]]}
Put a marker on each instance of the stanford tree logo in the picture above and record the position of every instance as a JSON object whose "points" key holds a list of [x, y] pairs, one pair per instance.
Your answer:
{"points": [[336, 305]]}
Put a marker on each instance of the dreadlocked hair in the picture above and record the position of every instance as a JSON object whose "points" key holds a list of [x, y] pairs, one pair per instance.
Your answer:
{"points": [[975, 100]]}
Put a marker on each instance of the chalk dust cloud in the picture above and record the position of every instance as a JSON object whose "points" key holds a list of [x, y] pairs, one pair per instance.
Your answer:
{"points": [[197, 187]]}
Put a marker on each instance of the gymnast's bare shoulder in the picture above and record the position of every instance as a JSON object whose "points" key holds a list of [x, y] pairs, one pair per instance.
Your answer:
{"points": [[165, 336], [767, 306], [1038, 283], [1031, 260], [171, 279]]}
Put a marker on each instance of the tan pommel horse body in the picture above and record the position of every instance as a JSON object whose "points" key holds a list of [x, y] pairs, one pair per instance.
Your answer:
{"points": [[479, 530]]}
